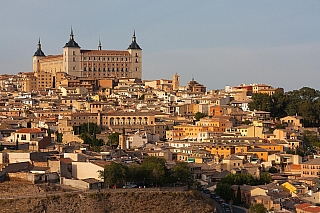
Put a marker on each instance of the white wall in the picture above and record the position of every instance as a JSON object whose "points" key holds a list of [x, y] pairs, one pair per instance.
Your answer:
{"points": [[84, 170]]}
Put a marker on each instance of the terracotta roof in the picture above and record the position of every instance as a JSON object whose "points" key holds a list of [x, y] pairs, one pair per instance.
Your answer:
{"points": [[66, 160], [307, 207], [29, 130], [303, 205]]}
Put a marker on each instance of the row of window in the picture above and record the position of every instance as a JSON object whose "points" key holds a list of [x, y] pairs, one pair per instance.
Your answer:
{"points": [[310, 167], [104, 69], [90, 75], [104, 59]]}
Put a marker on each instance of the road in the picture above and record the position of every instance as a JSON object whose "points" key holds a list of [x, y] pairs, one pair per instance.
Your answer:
{"points": [[219, 209], [236, 209]]}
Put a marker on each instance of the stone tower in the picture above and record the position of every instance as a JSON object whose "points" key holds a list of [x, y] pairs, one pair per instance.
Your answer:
{"points": [[36, 59], [175, 82], [136, 57], [72, 57]]}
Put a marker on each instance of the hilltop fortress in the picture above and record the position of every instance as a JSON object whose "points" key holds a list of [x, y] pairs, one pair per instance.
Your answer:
{"points": [[80, 63]]}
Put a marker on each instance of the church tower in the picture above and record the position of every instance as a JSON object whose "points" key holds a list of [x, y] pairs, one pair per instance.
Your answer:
{"points": [[136, 58], [72, 57], [39, 54], [175, 82]]}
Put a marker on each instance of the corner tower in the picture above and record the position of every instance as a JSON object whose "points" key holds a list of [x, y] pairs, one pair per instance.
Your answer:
{"points": [[175, 82], [72, 57], [39, 54], [136, 58]]}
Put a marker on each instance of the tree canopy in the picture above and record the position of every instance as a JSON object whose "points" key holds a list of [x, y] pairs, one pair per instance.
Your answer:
{"points": [[304, 102], [152, 171], [199, 115], [224, 186], [258, 208], [88, 133], [113, 139]]}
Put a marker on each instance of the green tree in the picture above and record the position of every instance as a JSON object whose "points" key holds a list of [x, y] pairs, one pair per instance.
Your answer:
{"points": [[136, 173], [49, 132], [1, 147], [237, 201], [265, 178], [181, 171], [258, 208], [90, 128], [261, 101], [273, 170], [114, 174], [225, 191], [59, 137], [199, 115], [246, 122], [155, 169], [17, 145], [142, 97], [114, 138], [311, 138]]}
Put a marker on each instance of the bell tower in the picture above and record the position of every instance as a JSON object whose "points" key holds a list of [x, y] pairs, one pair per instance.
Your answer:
{"points": [[72, 57], [39, 54], [136, 58]]}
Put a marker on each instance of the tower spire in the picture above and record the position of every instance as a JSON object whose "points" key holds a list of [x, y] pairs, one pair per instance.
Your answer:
{"points": [[39, 52], [71, 42], [134, 44], [71, 34], [134, 36], [99, 46], [39, 44]]}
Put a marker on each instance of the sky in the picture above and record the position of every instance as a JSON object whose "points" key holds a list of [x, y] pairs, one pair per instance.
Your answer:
{"points": [[217, 43]]}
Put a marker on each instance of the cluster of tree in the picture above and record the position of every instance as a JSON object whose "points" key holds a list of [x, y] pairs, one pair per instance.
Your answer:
{"points": [[304, 102], [311, 138], [59, 137], [113, 139], [199, 115], [88, 133], [152, 171], [258, 208], [225, 191]]}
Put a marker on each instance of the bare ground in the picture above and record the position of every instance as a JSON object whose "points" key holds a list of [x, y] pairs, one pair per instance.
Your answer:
{"points": [[100, 202]]}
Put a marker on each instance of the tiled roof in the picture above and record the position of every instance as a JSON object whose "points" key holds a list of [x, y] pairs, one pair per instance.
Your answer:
{"points": [[232, 157], [30, 130], [315, 161]]}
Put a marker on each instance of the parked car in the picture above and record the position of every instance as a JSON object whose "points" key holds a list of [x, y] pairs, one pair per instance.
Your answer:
{"points": [[217, 198], [224, 205], [213, 195], [220, 201], [206, 191], [130, 186]]}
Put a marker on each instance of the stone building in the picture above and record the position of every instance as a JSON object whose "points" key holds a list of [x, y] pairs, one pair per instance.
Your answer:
{"points": [[77, 62]]}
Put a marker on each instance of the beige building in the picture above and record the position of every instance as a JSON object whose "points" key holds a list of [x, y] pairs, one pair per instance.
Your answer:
{"points": [[84, 170], [311, 168], [78, 62], [27, 81]]}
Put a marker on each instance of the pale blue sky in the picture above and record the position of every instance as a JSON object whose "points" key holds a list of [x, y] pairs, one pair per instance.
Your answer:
{"points": [[218, 42]]}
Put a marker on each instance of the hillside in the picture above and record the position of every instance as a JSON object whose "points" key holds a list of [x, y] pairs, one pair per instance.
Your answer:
{"points": [[108, 201]]}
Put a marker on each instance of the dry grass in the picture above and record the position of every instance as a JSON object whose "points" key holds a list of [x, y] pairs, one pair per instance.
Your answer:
{"points": [[158, 202]]}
